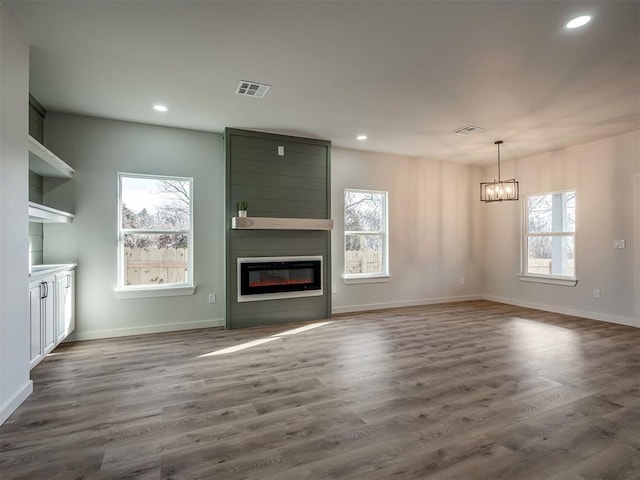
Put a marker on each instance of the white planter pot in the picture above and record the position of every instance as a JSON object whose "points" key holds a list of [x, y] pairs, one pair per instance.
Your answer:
{"points": [[242, 213]]}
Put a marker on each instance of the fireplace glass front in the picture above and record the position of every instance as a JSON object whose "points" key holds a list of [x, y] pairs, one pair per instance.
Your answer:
{"points": [[266, 278]]}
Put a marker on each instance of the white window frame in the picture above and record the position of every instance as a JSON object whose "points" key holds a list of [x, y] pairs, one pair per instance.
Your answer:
{"points": [[368, 277], [564, 280], [123, 291]]}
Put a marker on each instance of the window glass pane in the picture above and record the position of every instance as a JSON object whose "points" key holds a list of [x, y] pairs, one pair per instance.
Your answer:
{"points": [[539, 210], [150, 203], [551, 255], [363, 254], [363, 211], [539, 255], [568, 266], [155, 259], [552, 213], [570, 211]]}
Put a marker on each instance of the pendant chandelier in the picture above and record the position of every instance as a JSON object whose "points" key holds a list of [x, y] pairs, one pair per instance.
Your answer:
{"points": [[500, 190]]}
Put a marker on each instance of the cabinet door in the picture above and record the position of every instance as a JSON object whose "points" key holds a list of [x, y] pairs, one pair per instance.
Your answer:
{"points": [[36, 291], [49, 315], [65, 297]]}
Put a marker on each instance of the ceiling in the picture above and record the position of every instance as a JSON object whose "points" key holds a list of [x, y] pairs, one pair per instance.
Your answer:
{"points": [[404, 73]]}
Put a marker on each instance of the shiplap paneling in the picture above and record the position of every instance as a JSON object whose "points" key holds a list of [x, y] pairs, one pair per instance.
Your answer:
{"points": [[36, 254], [293, 185]]}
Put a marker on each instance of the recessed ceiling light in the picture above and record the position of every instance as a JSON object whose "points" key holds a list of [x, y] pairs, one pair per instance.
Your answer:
{"points": [[579, 21], [362, 137], [160, 108]]}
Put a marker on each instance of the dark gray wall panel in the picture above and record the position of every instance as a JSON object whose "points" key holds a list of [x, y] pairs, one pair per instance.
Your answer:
{"points": [[296, 185], [285, 208], [266, 180], [279, 168], [271, 318], [270, 142], [276, 193]]}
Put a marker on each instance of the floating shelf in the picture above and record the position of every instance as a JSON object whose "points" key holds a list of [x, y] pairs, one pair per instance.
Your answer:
{"points": [[44, 162], [267, 223], [42, 214]]}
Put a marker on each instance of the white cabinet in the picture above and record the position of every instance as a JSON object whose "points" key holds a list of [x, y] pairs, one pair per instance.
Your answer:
{"points": [[52, 317], [35, 299], [49, 316], [42, 318], [66, 307]]}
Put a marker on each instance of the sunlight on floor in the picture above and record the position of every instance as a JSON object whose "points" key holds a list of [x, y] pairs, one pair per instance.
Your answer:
{"points": [[253, 343], [532, 337], [301, 329], [237, 348]]}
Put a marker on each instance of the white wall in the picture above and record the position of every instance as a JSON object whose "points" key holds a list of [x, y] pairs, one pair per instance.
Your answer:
{"points": [[15, 385], [435, 229], [603, 175], [98, 149]]}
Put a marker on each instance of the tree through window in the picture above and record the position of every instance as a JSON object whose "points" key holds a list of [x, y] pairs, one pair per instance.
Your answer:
{"points": [[365, 233], [155, 231], [550, 227]]}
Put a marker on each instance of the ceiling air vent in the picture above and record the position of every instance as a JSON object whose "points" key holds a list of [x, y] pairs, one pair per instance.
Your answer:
{"points": [[467, 130], [252, 89]]}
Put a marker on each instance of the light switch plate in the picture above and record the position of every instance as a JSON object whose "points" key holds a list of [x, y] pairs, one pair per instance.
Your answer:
{"points": [[619, 244], [281, 150]]}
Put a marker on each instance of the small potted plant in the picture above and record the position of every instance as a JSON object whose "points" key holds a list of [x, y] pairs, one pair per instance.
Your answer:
{"points": [[242, 208]]}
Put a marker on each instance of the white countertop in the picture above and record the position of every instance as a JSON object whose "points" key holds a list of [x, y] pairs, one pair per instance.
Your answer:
{"points": [[37, 271]]}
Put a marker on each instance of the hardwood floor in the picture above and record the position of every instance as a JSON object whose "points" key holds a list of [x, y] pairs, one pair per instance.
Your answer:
{"points": [[474, 390]]}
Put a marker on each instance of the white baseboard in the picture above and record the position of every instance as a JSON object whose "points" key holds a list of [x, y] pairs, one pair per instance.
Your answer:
{"points": [[510, 301], [128, 331], [603, 317], [14, 402], [404, 303]]}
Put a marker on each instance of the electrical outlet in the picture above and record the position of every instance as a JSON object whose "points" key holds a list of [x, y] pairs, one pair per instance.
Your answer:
{"points": [[596, 294], [619, 244], [212, 298], [462, 281]]}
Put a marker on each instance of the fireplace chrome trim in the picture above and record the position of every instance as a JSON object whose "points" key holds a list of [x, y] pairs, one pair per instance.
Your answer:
{"points": [[280, 295]]}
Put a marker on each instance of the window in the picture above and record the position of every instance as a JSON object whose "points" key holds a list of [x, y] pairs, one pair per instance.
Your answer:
{"points": [[549, 239], [155, 240], [365, 234]]}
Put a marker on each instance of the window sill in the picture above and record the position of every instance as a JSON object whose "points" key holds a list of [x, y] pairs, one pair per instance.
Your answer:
{"points": [[128, 293], [549, 279], [366, 279]]}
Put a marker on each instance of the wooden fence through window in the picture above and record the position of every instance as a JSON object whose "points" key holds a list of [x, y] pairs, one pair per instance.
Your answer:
{"points": [[369, 261], [156, 266]]}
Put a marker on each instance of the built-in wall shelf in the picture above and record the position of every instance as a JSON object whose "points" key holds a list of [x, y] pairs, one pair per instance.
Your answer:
{"points": [[267, 223], [42, 214], [44, 162]]}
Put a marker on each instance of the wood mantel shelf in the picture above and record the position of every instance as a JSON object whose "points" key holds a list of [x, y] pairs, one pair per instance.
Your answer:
{"points": [[267, 223]]}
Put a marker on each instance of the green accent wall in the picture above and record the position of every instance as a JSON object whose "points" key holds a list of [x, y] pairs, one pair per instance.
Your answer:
{"points": [[294, 185]]}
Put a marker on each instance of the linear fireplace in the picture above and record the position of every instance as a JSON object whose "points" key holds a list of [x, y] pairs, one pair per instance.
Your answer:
{"points": [[270, 278]]}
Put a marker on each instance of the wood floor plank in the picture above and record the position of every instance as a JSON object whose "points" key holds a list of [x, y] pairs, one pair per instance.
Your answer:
{"points": [[471, 390]]}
